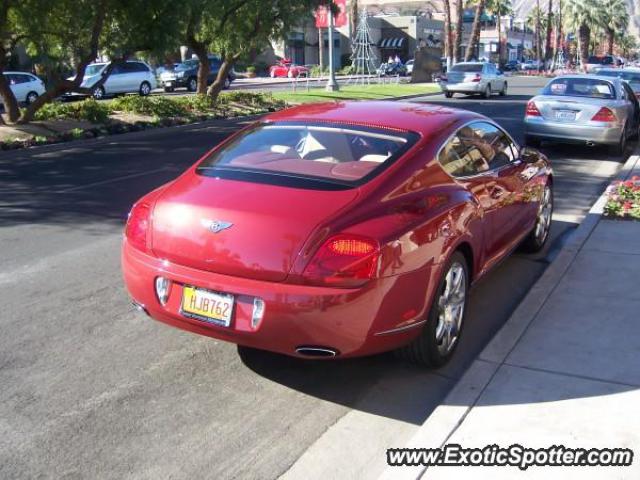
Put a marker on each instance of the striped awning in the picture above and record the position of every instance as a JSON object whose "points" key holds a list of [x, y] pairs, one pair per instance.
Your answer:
{"points": [[393, 42]]}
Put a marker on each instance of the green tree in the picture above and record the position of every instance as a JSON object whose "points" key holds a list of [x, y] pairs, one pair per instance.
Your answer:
{"points": [[499, 8], [581, 16], [474, 39], [534, 22], [615, 20], [76, 31], [233, 28], [548, 45]]}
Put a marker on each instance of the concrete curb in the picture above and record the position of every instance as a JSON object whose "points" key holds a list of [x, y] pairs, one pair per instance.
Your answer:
{"points": [[450, 414]]}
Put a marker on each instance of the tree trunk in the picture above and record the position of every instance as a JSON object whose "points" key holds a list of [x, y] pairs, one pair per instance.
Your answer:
{"points": [[225, 69], [584, 34], [549, 45], [448, 40], [610, 37], [353, 18], [9, 99], [499, 28], [538, 49], [475, 32], [458, 38]]}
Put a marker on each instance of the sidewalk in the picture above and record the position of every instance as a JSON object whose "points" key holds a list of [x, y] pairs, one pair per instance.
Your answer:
{"points": [[564, 370]]}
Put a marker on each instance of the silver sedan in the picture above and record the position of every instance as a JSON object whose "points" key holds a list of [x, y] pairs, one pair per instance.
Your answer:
{"points": [[587, 109], [473, 77]]}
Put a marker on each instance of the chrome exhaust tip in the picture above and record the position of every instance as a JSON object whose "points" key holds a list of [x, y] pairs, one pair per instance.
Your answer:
{"points": [[314, 351], [139, 307]]}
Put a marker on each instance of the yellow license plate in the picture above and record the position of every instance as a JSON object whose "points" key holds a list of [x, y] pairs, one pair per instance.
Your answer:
{"points": [[207, 306]]}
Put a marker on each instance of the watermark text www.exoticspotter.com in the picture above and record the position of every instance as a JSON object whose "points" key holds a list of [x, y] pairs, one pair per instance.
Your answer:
{"points": [[512, 456]]}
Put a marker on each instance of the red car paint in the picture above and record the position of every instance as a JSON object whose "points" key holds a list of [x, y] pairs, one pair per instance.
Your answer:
{"points": [[413, 211], [285, 69]]}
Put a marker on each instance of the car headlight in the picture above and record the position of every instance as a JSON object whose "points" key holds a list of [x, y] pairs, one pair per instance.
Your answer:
{"points": [[180, 74]]}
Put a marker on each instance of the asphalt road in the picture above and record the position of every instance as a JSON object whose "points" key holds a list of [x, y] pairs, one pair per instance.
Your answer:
{"points": [[92, 389]]}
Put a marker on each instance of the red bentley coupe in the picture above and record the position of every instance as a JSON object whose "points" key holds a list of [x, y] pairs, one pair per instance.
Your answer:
{"points": [[338, 229], [287, 69]]}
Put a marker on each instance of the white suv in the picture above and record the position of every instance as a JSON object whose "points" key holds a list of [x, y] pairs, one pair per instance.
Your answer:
{"points": [[132, 76], [25, 86]]}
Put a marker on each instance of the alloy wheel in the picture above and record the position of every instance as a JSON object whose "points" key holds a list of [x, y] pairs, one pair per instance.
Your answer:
{"points": [[98, 93], [32, 97], [543, 221], [451, 305]]}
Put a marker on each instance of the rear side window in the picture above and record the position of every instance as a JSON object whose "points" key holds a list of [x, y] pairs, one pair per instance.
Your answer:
{"points": [[467, 68], [138, 67], [335, 153], [580, 87], [463, 155]]}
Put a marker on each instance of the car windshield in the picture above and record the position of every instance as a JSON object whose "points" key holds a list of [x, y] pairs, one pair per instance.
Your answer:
{"points": [[94, 69], [187, 65], [467, 67], [326, 152], [632, 78], [580, 87]]}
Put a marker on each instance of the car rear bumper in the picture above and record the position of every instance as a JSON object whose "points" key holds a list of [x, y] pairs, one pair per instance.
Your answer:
{"points": [[567, 132], [462, 87], [383, 315]]}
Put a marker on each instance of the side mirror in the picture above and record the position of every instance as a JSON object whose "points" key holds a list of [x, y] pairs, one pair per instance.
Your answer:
{"points": [[529, 155]]}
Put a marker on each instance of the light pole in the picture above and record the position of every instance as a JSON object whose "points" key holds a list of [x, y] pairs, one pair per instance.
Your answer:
{"points": [[332, 85]]}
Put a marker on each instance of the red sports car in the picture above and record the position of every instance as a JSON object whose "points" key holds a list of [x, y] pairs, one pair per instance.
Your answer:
{"points": [[339, 229], [287, 69]]}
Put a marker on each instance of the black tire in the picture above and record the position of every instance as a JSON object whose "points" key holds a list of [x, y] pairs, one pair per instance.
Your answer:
{"points": [[168, 89], [487, 91], [503, 92], [192, 84], [621, 147], [536, 240], [425, 349], [532, 141], [31, 97], [448, 94], [145, 89], [98, 93]]}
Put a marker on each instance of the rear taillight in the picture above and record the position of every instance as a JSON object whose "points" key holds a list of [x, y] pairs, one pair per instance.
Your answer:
{"points": [[604, 115], [532, 110], [477, 78], [344, 261], [138, 225]]}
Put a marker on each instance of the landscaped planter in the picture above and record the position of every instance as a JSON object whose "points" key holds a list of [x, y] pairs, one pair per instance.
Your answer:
{"points": [[623, 200]]}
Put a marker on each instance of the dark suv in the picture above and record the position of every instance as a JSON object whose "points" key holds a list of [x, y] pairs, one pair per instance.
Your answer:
{"points": [[185, 75]]}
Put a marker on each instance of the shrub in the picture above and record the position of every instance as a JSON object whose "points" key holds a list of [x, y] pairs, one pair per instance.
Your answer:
{"points": [[623, 199], [90, 110], [152, 106], [196, 103], [251, 69]]}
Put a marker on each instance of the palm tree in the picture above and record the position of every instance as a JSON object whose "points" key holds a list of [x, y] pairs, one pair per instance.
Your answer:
{"points": [[549, 49], [615, 20], [353, 18], [448, 40], [582, 16], [533, 22], [499, 8], [459, 24], [474, 39]]}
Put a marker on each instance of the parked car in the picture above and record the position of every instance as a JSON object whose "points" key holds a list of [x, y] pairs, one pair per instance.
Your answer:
{"points": [[629, 75], [512, 66], [473, 77], [185, 75], [132, 76], [529, 65], [595, 63], [409, 66], [25, 86], [405, 207], [288, 70], [392, 69], [587, 109]]}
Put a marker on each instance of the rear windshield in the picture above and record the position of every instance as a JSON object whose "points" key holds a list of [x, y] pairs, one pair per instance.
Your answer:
{"points": [[632, 78], [580, 87], [325, 153], [467, 67]]}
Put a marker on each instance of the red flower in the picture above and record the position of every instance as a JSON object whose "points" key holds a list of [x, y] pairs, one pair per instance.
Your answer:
{"points": [[627, 205]]}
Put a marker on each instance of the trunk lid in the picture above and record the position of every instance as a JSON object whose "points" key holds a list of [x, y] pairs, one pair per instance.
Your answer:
{"points": [[260, 230], [572, 110]]}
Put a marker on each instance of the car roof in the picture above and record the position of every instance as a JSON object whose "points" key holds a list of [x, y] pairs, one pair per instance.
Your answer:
{"points": [[425, 119], [589, 75], [20, 73]]}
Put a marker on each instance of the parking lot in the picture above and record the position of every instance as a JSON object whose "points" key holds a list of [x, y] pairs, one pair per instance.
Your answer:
{"points": [[92, 388]]}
